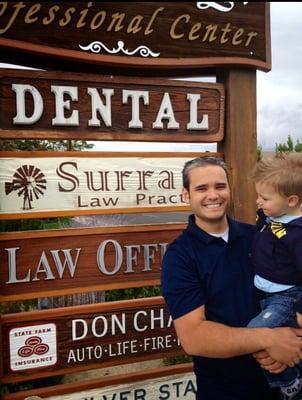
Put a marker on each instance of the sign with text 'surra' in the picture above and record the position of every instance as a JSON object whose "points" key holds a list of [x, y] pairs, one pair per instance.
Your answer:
{"points": [[61, 262], [66, 340], [137, 35], [44, 105], [77, 183]]}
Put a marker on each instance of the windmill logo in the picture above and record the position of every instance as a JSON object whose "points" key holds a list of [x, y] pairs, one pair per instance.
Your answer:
{"points": [[29, 182]]}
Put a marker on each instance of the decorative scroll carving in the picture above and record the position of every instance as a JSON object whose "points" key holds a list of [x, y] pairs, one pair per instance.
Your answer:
{"points": [[96, 47]]}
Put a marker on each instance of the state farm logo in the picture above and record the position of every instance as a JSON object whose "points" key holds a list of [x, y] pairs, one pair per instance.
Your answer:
{"points": [[29, 182], [33, 345]]}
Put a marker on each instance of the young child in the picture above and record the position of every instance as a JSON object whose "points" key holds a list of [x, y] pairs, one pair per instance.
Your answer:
{"points": [[277, 254]]}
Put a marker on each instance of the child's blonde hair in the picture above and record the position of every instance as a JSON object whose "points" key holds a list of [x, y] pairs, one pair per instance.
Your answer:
{"points": [[283, 172]]}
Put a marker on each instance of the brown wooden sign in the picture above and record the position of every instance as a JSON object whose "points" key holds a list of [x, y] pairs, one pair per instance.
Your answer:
{"points": [[172, 382], [137, 36], [52, 342], [60, 262], [40, 184], [58, 105]]}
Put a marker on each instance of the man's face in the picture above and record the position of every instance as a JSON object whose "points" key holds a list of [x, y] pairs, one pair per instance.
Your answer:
{"points": [[208, 195]]}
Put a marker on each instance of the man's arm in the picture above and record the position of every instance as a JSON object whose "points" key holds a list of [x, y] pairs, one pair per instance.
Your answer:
{"points": [[210, 339]]}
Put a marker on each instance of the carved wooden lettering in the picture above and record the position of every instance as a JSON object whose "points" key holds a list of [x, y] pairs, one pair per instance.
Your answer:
{"points": [[70, 339], [136, 38], [90, 183], [45, 105], [38, 264]]}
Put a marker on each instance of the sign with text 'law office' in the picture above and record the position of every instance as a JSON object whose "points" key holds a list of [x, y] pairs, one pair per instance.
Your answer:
{"points": [[65, 340], [58, 105], [135, 36], [61, 262], [74, 183]]}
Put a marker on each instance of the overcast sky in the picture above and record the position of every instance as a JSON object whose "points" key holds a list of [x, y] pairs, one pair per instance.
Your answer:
{"points": [[279, 92]]}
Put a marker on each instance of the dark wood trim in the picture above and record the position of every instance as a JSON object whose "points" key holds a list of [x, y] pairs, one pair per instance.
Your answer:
{"points": [[94, 135], [90, 231], [134, 63], [268, 45], [102, 383], [39, 315], [52, 214], [105, 154]]}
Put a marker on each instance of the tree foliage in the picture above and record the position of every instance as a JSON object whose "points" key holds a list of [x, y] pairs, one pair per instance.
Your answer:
{"points": [[289, 146], [259, 153], [45, 145], [132, 293]]}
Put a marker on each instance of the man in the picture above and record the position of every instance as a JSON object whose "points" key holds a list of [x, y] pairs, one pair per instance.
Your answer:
{"points": [[207, 283]]}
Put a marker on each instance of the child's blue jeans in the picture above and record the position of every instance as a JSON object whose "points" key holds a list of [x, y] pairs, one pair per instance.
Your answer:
{"points": [[279, 309]]}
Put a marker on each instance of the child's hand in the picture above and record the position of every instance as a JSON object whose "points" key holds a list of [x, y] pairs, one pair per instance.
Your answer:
{"points": [[299, 319]]}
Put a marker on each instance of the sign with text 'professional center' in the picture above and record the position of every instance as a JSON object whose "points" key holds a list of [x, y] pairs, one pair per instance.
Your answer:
{"points": [[137, 35]]}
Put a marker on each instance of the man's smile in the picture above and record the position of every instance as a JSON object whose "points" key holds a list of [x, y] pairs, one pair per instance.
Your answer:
{"points": [[216, 205]]}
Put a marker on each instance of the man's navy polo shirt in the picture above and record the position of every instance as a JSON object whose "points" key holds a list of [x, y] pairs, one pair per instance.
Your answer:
{"points": [[200, 269]]}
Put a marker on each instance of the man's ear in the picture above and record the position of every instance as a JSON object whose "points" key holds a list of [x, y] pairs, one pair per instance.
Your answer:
{"points": [[293, 200], [185, 195]]}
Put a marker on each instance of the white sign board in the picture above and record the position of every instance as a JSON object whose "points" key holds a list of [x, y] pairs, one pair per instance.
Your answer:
{"points": [[181, 386], [76, 185], [33, 347]]}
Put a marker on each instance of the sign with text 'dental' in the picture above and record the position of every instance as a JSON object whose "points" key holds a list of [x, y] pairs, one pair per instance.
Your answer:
{"points": [[136, 36], [61, 262], [63, 183], [54, 342], [57, 105]]}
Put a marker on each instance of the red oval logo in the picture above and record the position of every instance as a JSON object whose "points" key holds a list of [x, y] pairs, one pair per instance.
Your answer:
{"points": [[41, 349], [33, 341], [26, 351]]}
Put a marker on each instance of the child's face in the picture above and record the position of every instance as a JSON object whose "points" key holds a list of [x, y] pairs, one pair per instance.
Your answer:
{"points": [[272, 203]]}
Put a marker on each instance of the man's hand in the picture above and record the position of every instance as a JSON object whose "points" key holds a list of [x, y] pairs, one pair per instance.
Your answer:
{"points": [[267, 363], [285, 346]]}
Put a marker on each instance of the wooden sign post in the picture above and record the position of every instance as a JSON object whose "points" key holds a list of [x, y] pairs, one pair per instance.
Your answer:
{"points": [[239, 145]]}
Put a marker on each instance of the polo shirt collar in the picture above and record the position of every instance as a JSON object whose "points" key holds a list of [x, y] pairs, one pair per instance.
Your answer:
{"points": [[235, 230]]}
